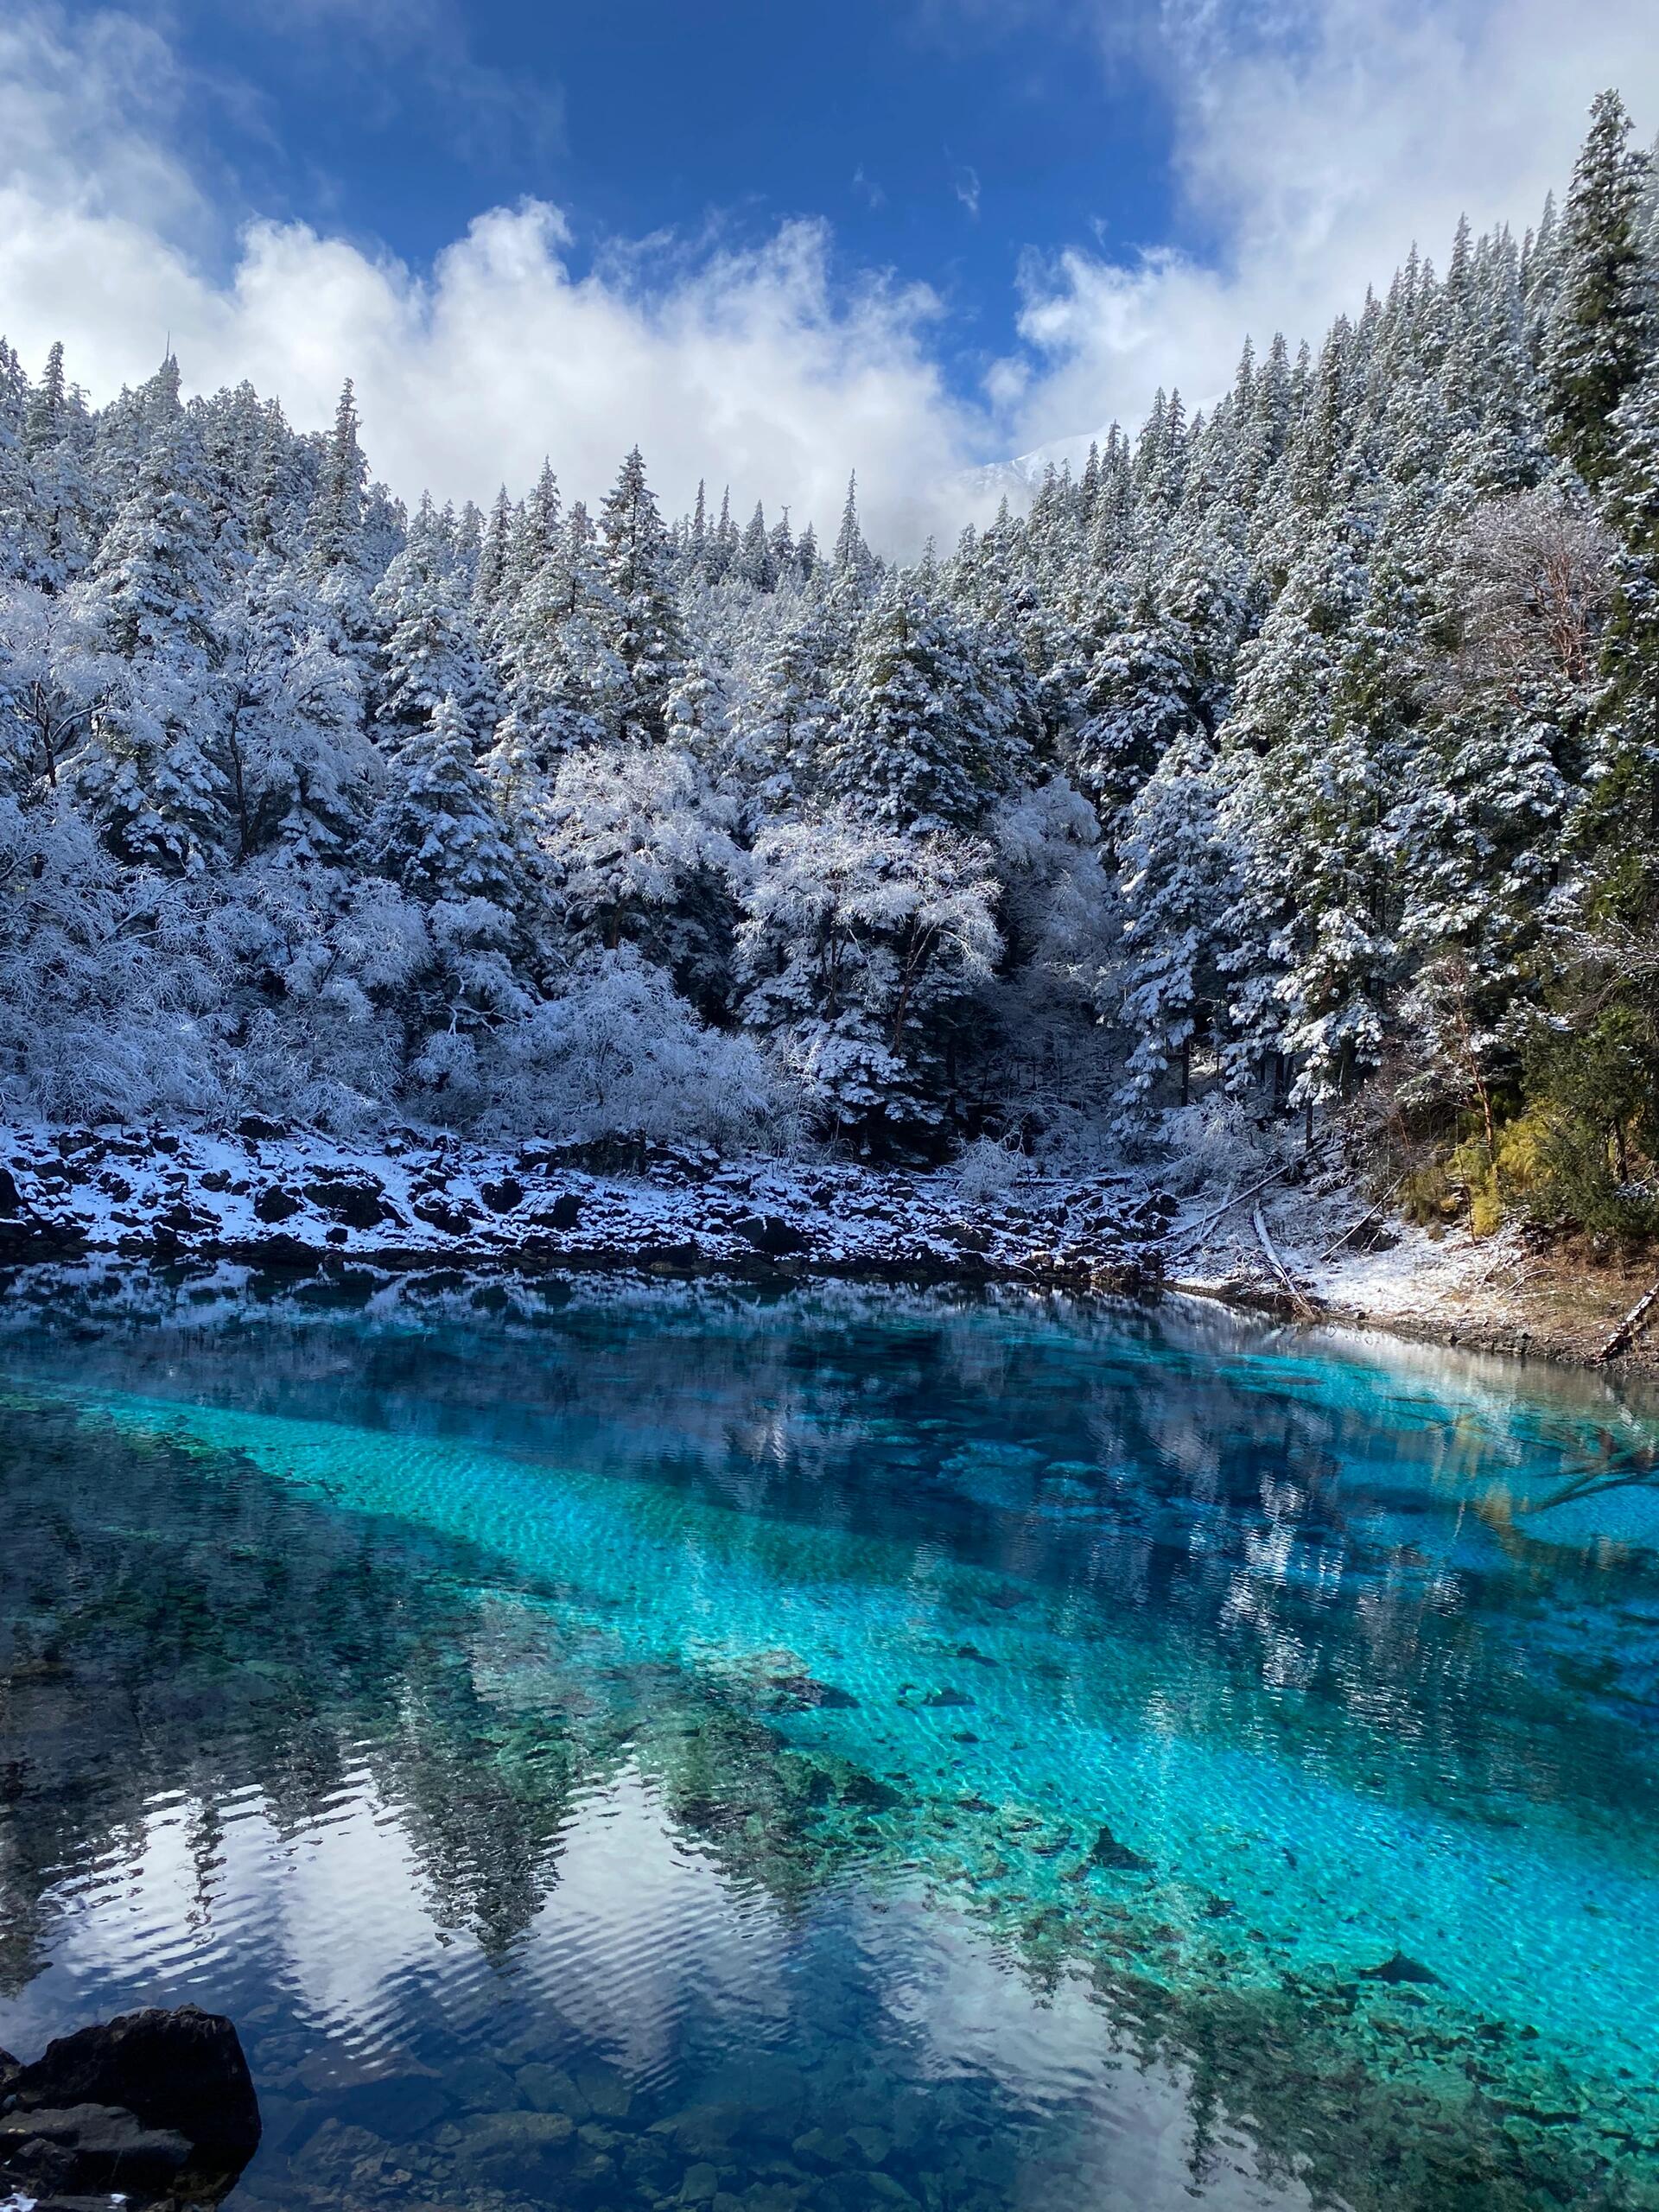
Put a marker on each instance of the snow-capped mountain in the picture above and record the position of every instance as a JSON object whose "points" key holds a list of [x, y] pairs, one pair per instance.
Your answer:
{"points": [[1017, 481]]}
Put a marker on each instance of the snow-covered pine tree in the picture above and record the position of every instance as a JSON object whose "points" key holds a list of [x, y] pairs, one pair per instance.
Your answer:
{"points": [[1600, 335], [639, 620]]}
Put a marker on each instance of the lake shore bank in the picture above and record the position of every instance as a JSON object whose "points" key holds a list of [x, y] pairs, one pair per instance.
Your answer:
{"points": [[1305, 1248]]}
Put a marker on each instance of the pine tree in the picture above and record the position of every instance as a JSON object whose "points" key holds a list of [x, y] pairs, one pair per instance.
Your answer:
{"points": [[490, 583], [431, 651], [754, 562], [852, 556], [154, 771], [336, 523], [641, 623], [298, 771], [437, 833], [1177, 870], [932, 721], [1600, 335]]}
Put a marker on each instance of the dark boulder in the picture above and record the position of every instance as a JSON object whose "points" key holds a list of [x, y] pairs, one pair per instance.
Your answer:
{"points": [[770, 1234], [153, 2103], [10, 1196], [256, 1127], [276, 1204], [183, 2070], [446, 1215], [502, 1196], [92, 2146], [564, 1212], [358, 1205]]}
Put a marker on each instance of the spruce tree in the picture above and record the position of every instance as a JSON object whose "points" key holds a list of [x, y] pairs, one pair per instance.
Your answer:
{"points": [[1600, 335], [640, 621]]}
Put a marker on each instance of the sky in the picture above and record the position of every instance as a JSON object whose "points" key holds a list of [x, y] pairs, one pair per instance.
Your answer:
{"points": [[771, 244]]}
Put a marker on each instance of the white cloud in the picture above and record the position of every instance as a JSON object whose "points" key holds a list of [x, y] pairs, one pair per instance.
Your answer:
{"points": [[750, 365], [1313, 143], [1315, 140], [867, 189]]}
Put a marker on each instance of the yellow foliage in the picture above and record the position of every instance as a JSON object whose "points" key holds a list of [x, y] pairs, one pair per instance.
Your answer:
{"points": [[1471, 1164], [1470, 1175], [1522, 1149], [1427, 1195]]}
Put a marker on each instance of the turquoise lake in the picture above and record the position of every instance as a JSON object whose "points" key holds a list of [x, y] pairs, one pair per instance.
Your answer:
{"points": [[617, 1742]]}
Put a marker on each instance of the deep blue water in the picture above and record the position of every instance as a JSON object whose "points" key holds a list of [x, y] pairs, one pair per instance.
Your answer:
{"points": [[616, 1744]]}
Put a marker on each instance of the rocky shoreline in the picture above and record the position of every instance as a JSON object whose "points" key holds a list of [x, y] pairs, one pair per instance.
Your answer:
{"points": [[271, 1197], [268, 1196], [153, 2108]]}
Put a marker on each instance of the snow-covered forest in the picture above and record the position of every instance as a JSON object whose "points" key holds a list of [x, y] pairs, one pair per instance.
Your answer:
{"points": [[1300, 754]]}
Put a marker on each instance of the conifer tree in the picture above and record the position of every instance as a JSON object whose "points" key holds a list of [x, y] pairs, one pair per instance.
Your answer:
{"points": [[641, 622], [154, 772], [1600, 333]]}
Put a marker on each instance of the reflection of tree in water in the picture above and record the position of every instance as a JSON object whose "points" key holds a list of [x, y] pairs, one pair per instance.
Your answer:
{"points": [[1215, 1517], [164, 1630]]}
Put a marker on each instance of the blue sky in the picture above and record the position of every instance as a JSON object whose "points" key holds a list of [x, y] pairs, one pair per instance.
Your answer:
{"points": [[945, 146], [770, 243]]}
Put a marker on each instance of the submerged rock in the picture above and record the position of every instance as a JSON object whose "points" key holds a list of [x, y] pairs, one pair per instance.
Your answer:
{"points": [[1114, 1857], [155, 2104], [804, 1693], [1398, 1968]]}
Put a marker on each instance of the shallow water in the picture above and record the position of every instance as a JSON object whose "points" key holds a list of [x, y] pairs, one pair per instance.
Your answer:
{"points": [[616, 1743]]}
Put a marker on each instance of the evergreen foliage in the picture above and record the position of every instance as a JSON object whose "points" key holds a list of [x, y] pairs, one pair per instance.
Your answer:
{"points": [[1307, 748]]}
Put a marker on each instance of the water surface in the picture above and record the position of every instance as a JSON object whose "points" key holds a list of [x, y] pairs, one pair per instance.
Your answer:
{"points": [[614, 1743]]}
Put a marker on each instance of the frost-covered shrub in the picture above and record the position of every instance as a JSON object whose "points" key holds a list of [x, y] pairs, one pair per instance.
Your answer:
{"points": [[862, 949], [637, 850], [621, 1053], [988, 1170], [106, 998], [1213, 1140]]}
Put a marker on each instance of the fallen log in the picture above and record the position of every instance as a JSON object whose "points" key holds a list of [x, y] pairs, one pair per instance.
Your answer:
{"points": [[1238, 1200], [1629, 1328], [1298, 1297]]}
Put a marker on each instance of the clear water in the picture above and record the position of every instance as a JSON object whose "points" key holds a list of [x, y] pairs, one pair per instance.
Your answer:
{"points": [[617, 1744]]}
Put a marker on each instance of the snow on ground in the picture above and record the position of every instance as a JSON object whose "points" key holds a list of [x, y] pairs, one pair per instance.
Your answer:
{"points": [[1364, 1267], [269, 1196], [292, 1196]]}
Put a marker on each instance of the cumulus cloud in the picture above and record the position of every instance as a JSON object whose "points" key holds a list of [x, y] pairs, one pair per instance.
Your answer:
{"points": [[1314, 142], [750, 365]]}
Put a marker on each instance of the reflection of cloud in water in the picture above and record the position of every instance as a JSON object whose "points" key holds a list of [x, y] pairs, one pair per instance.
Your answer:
{"points": [[603, 1670], [334, 1908], [1125, 2125], [640, 1926]]}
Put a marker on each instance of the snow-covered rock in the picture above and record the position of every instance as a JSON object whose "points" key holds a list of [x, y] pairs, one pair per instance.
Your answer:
{"points": [[260, 1194]]}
